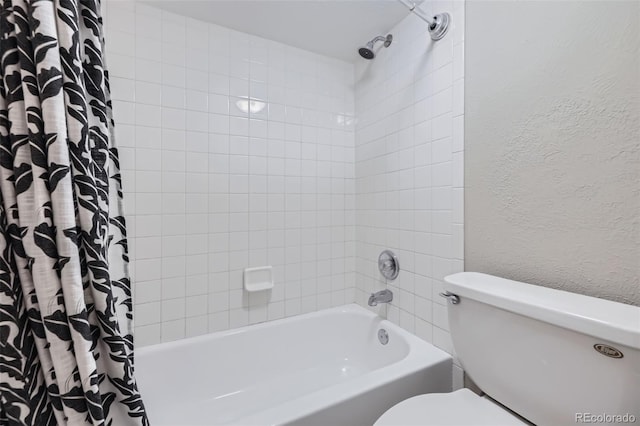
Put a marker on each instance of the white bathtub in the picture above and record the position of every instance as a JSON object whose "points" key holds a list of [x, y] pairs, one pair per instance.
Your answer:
{"points": [[324, 368]]}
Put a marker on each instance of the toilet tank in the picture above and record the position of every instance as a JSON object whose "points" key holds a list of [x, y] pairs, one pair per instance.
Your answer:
{"points": [[553, 357]]}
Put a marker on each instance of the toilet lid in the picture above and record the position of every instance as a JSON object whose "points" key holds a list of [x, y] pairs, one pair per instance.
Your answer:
{"points": [[461, 407]]}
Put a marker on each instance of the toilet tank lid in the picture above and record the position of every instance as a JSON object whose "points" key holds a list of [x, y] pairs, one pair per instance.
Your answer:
{"points": [[611, 321]]}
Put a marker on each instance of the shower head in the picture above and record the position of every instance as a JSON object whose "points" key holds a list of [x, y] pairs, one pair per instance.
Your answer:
{"points": [[367, 50]]}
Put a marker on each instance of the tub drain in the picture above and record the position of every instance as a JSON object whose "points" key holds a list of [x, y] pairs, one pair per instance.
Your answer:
{"points": [[383, 336]]}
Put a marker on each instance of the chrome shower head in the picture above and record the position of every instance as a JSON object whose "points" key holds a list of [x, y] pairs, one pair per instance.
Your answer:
{"points": [[367, 50]]}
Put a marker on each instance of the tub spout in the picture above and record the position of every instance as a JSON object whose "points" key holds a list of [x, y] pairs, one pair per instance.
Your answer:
{"points": [[384, 296]]}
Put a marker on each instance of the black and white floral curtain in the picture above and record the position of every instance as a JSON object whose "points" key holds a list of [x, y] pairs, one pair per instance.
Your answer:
{"points": [[66, 346]]}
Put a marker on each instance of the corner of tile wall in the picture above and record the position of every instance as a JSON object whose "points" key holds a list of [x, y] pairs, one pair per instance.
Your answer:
{"points": [[410, 171], [304, 169]]}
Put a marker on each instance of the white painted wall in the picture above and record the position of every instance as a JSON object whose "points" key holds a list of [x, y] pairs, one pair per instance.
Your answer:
{"points": [[332, 28], [552, 129], [210, 190], [409, 171]]}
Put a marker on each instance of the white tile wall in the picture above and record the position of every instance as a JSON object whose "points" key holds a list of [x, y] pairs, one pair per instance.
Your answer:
{"points": [[409, 170], [215, 183], [212, 189]]}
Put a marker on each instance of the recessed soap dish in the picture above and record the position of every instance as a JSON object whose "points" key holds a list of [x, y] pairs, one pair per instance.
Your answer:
{"points": [[258, 279]]}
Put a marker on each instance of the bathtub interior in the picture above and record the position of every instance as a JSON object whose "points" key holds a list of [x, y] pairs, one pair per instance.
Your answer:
{"points": [[262, 366]]}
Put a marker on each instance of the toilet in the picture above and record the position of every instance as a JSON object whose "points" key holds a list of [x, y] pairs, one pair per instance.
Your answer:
{"points": [[541, 356]]}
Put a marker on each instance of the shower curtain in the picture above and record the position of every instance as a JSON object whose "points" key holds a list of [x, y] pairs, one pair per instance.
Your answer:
{"points": [[66, 346]]}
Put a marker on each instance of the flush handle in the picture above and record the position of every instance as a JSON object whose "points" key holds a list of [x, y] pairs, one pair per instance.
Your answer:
{"points": [[452, 298]]}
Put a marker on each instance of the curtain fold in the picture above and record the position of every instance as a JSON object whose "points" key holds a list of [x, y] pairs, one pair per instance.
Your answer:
{"points": [[66, 342]]}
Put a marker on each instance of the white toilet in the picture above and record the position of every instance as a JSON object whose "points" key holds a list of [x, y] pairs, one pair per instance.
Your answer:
{"points": [[541, 355]]}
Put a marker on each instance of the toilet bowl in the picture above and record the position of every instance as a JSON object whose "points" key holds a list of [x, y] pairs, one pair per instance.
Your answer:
{"points": [[458, 408], [542, 356]]}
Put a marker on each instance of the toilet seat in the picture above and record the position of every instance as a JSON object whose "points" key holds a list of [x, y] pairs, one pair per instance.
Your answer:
{"points": [[459, 408]]}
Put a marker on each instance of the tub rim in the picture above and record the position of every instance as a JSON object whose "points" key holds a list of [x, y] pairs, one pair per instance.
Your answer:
{"points": [[421, 355]]}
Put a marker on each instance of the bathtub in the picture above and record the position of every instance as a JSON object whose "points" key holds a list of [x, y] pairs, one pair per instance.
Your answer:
{"points": [[324, 368]]}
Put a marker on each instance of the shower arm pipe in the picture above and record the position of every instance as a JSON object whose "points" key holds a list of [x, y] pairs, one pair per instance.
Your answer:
{"points": [[377, 39], [419, 13]]}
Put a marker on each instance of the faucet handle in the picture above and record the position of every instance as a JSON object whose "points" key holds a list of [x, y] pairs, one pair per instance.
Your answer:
{"points": [[388, 265]]}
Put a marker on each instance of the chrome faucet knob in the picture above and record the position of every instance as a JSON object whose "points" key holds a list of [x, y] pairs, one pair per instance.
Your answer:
{"points": [[388, 265]]}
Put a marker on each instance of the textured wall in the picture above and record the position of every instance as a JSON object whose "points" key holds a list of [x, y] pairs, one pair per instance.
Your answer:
{"points": [[552, 128]]}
